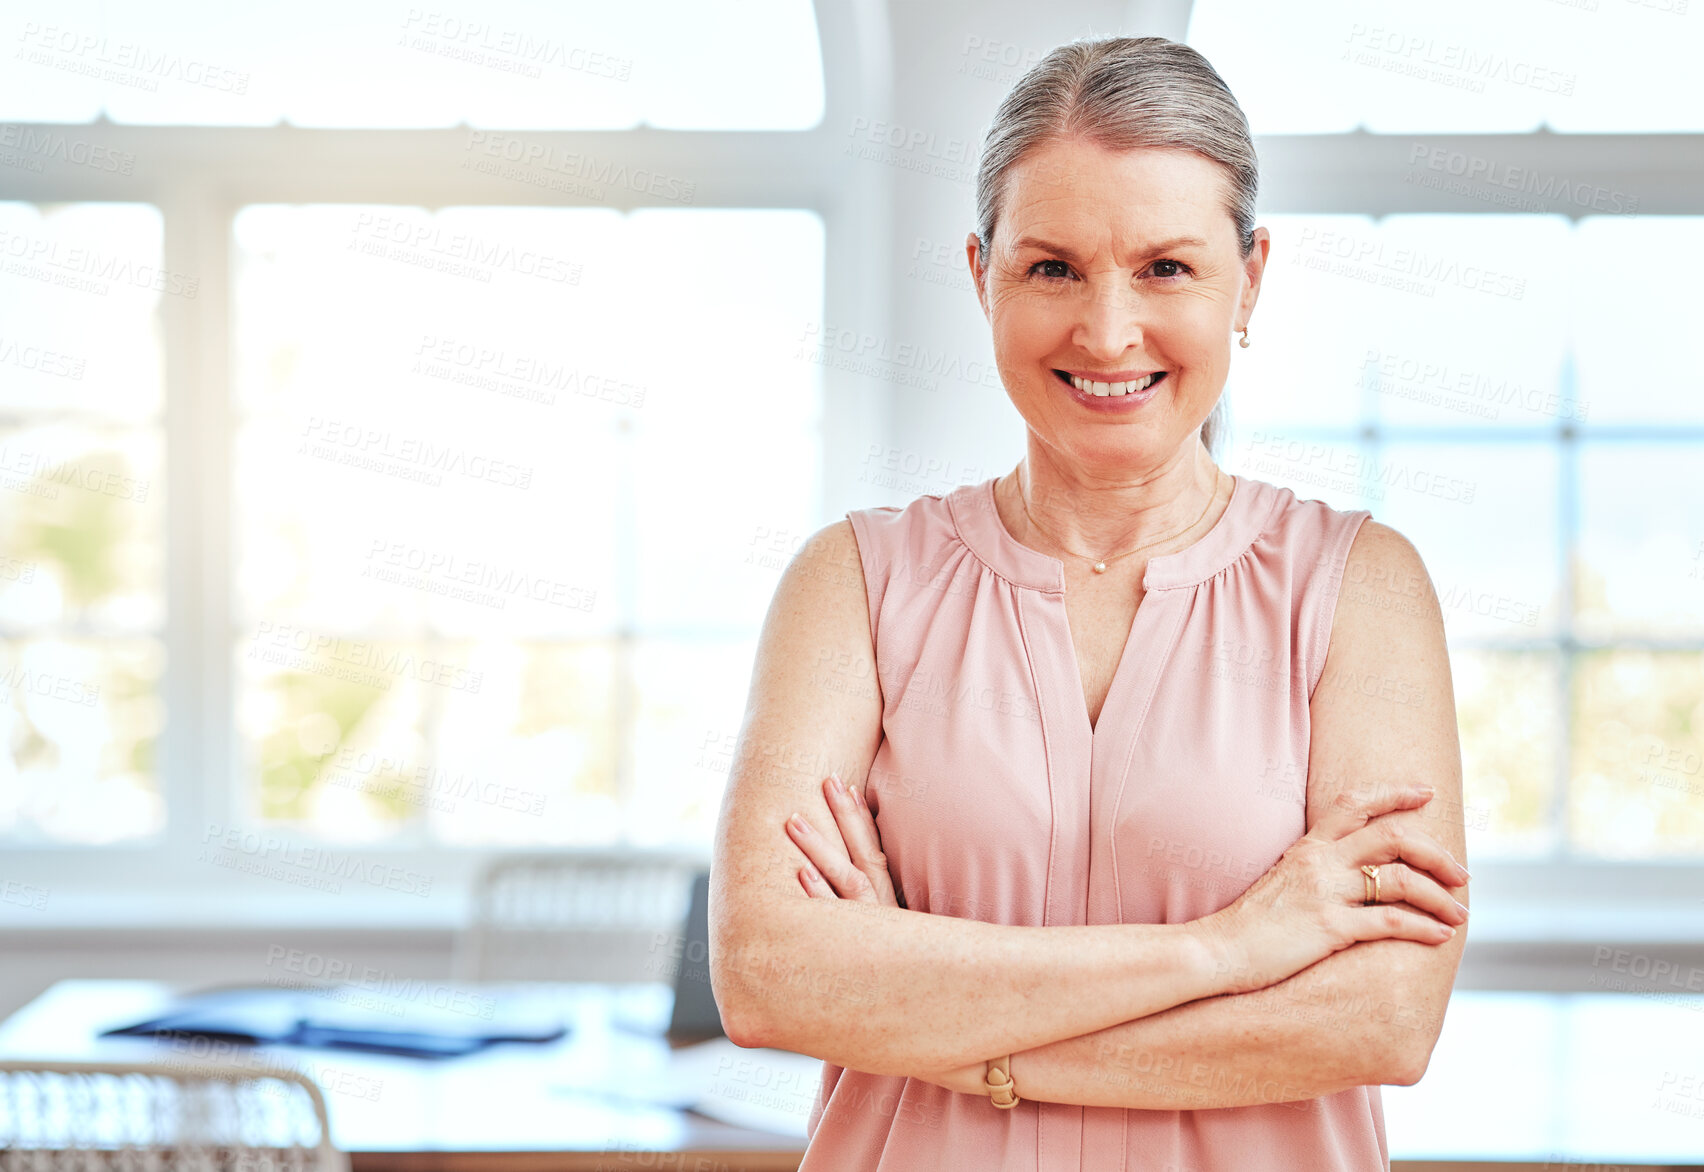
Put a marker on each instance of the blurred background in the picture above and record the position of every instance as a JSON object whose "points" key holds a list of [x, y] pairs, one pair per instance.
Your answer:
{"points": [[406, 414]]}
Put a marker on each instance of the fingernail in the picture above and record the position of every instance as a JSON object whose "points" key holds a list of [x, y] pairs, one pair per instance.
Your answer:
{"points": [[1425, 791], [857, 798], [834, 784], [812, 872], [1462, 906], [796, 823]]}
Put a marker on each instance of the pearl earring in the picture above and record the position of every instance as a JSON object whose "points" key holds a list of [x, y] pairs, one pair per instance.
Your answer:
{"points": [[1244, 342]]}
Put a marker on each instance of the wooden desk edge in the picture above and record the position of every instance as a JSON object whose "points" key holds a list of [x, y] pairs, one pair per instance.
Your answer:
{"points": [[1529, 1166], [684, 1160], [728, 1160]]}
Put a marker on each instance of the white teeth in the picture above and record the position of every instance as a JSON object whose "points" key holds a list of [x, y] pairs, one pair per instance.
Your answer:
{"points": [[1104, 389]]}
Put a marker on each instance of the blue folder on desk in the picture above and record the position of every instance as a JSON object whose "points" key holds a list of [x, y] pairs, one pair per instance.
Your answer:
{"points": [[351, 1018]]}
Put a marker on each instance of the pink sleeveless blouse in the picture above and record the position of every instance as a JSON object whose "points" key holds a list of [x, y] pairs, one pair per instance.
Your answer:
{"points": [[999, 803]]}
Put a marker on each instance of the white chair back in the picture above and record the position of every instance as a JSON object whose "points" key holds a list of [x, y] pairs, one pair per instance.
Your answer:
{"points": [[162, 1117], [578, 917]]}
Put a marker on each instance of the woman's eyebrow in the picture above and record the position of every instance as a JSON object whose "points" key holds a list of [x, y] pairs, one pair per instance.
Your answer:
{"points": [[1175, 242]]}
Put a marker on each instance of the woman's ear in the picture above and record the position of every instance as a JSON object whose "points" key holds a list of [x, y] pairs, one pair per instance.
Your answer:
{"points": [[973, 254], [1254, 268]]}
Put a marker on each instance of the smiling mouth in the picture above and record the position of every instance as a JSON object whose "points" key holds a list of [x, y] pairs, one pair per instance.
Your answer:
{"points": [[1105, 390]]}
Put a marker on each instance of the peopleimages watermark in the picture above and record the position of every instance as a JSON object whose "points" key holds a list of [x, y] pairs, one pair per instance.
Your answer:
{"points": [[1666, 766], [1648, 976], [509, 156], [1451, 64], [423, 784], [912, 149], [457, 254], [1501, 179], [521, 376], [41, 360], [86, 270], [390, 992], [47, 685], [35, 474], [23, 894], [27, 147], [1328, 466], [122, 62], [1680, 1093], [440, 571], [899, 468], [945, 265], [1471, 392], [904, 363], [355, 660], [1404, 268], [197, 1051], [272, 857], [717, 750], [16, 569], [995, 60], [407, 457], [474, 42]]}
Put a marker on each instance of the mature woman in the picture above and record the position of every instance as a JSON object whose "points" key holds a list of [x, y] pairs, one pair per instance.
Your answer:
{"points": [[1155, 861]]}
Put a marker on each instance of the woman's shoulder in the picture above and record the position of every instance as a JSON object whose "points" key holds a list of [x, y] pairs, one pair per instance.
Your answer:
{"points": [[886, 531], [1301, 526], [1286, 506], [1358, 537], [925, 506]]}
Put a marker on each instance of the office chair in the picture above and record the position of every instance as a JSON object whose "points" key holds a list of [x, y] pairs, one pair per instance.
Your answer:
{"points": [[162, 1117], [605, 916]]}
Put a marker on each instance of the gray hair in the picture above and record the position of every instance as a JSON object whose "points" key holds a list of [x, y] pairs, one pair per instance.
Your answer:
{"points": [[1120, 93]]}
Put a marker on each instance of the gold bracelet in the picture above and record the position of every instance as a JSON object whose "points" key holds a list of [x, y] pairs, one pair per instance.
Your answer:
{"points": [[998, 1079]]}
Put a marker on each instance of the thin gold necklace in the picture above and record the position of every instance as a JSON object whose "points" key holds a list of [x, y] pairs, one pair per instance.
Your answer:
{"points": [[1100, 564]]}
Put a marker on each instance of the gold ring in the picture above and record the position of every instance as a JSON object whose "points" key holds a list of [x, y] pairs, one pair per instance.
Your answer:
{"points": [[1370, 879]]}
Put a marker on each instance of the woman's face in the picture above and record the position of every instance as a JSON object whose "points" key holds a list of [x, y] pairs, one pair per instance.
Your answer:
{"points": [[1116, 265]]}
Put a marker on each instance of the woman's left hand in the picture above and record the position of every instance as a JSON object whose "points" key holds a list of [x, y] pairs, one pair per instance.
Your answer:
{"points": [[849, 865]]}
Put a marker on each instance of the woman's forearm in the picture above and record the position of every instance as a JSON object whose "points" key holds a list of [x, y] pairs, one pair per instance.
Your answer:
{"points": [[891, 991], [1334, 1025]]}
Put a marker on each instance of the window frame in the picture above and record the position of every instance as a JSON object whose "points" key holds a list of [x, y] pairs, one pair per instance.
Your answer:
{"points": [[1560, 895], [199, 178]]}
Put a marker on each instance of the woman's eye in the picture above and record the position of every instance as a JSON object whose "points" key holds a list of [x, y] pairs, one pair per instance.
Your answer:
{"points": [[1058, 269]]}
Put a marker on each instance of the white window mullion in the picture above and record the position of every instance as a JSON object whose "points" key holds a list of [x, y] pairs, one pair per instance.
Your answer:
{"points": [[193, 769]]}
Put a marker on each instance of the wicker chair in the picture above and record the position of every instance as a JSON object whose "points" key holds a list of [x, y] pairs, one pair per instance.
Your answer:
{"points": [[608, 916], [162, 1117]]}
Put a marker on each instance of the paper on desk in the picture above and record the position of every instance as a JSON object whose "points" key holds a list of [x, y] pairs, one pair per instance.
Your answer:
{"points": [[766, 1090]]}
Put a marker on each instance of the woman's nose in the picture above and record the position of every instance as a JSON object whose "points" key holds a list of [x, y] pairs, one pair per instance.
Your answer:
{"points": [[1110, 319]]}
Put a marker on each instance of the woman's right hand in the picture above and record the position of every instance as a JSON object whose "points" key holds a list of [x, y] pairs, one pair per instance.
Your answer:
{"points": [[1309, 904]]}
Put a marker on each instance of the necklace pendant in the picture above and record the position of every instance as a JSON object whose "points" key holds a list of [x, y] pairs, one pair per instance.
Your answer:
{"points": [[1100, 567]]}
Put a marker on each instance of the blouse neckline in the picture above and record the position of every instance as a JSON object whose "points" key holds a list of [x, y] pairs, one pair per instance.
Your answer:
{"points": [[978, 524]]}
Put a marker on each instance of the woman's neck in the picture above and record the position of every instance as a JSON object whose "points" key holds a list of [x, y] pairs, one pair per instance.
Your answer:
{"points": [[1060, 509]]}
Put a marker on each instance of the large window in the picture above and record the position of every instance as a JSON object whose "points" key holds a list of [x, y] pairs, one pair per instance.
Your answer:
{"points": [[1498, 363], [414, 476], [82, 521], [473, 603], [509, 64], [1469, 393]]}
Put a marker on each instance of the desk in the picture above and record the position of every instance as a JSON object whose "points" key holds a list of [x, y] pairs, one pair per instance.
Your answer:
{"points": [[555, 1107], [1519, 1081]]}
